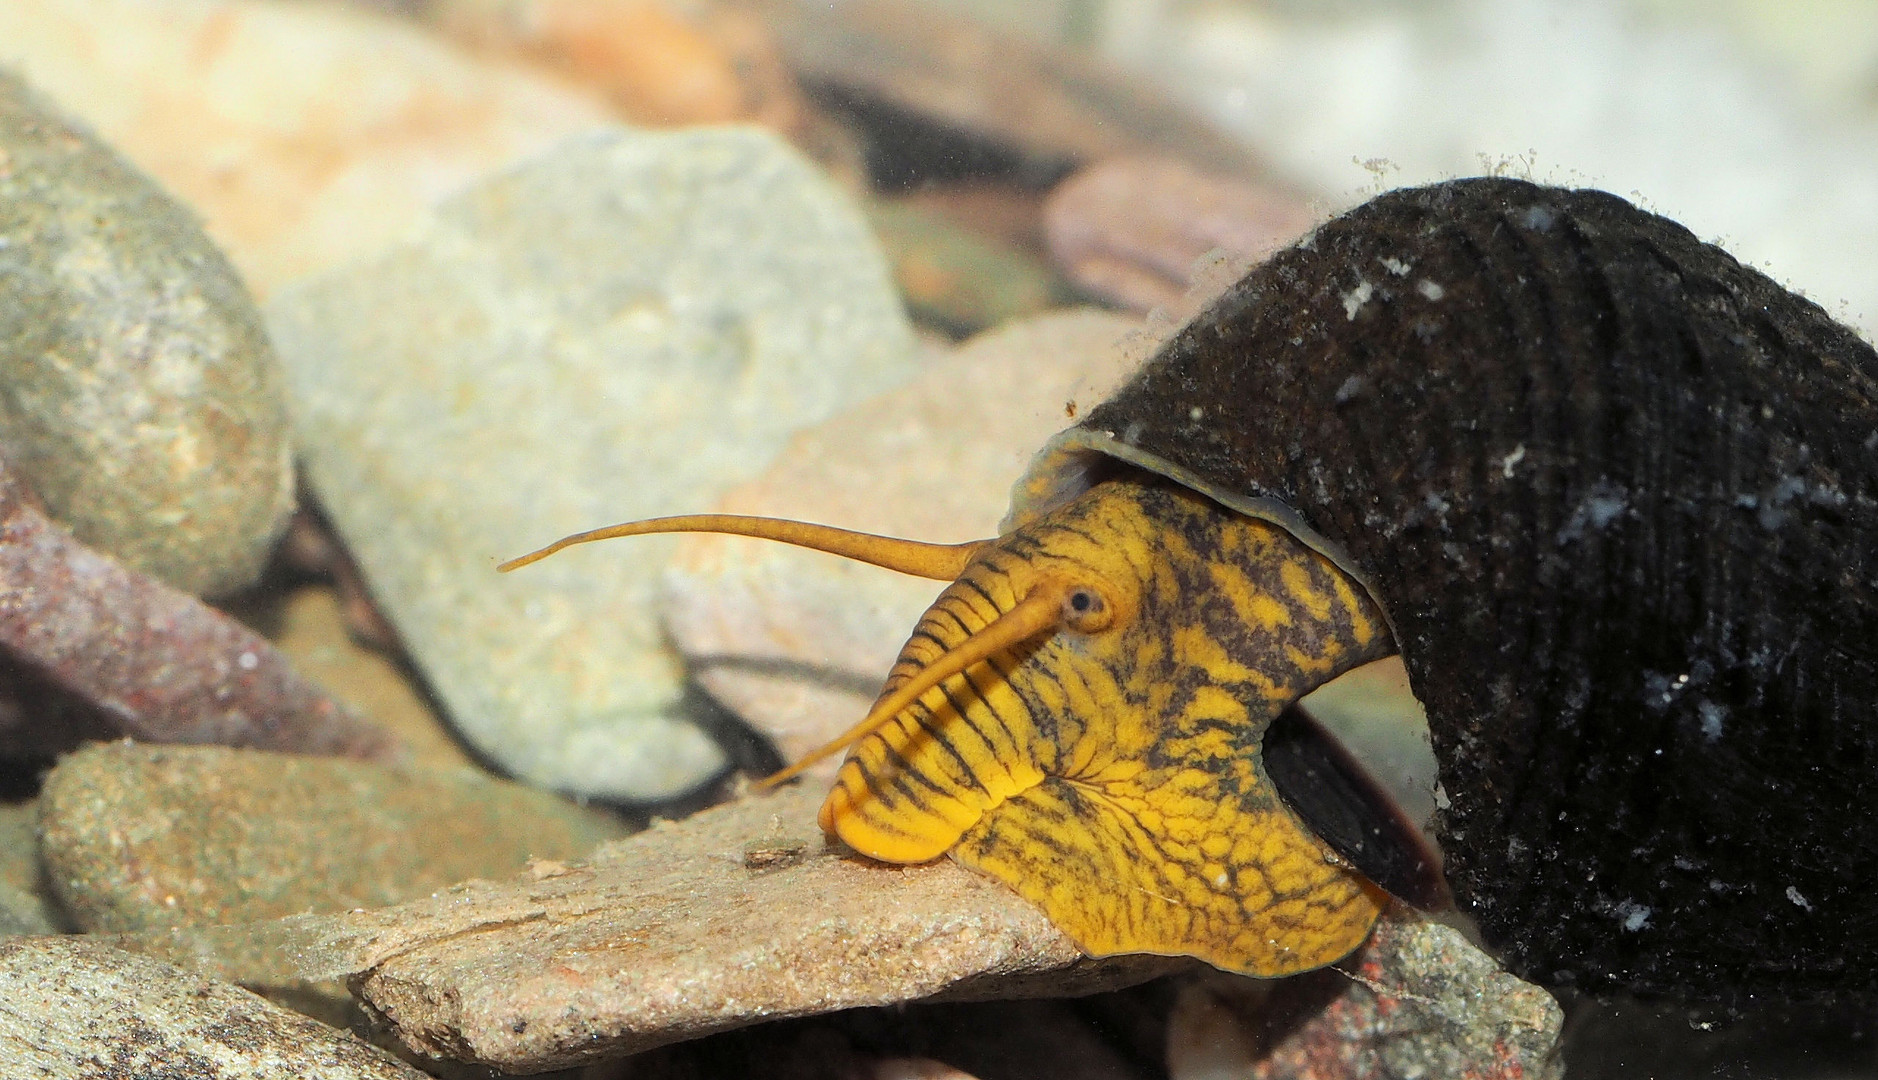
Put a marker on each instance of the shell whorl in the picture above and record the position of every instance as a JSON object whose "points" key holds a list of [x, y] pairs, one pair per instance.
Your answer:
{"points": [[1618, 495]]}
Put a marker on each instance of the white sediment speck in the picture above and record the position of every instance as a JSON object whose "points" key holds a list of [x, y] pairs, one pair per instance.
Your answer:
{"points": [[1635, 916], [1506, 463], [1394, 265], [1713, 718], [1799, 901], [1430, 289], [1354, 300], [1603, 504]]}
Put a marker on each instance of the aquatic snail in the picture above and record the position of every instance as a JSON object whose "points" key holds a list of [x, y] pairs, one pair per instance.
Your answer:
{"points": [[1612, 495]]}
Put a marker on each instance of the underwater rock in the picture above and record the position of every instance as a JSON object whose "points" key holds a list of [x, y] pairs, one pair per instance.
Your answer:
{"points": [[138, 394], [140, 837], [305, 134], [738, 915], [74, 1007], [956, 280], [23, 907], [1130, 230], [984, 101], [621, 328], [90, 650], [797, 642], [22, 914], [1417, 1001], [657, 63], [313, 634]]}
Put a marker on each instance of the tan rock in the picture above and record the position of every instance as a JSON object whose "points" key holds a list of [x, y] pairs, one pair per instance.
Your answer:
{"points": [[70, 1006], [656, 62], [137, 837], [797, 642], [737, 915], [303, 133]]}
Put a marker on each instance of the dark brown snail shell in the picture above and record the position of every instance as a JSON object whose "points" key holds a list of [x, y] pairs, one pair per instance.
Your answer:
{"points": [[1618, 495]]}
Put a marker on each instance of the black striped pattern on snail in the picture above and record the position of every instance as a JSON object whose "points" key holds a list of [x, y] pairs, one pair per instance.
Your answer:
{"points": [[1612, 495]]}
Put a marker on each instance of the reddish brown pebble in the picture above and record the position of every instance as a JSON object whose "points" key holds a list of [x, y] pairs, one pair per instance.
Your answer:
{"points": [[142, 658], [1130, 230]]}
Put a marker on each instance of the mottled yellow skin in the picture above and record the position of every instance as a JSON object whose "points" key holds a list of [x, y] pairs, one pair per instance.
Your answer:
{"points": [[1109, 771]]}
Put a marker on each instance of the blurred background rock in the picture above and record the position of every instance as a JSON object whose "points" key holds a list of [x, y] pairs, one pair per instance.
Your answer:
{"points": [[1754, 122]]}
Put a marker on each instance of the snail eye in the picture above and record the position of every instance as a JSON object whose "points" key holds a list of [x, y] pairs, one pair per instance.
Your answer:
{"points": [[1085, 610]]}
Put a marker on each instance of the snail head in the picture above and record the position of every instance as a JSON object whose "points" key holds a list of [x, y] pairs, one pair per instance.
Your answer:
{"points": [[1079, 715]]}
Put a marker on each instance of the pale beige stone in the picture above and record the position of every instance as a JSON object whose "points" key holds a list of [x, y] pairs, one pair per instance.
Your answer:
{"points": [[305, 134], [621, 328]]}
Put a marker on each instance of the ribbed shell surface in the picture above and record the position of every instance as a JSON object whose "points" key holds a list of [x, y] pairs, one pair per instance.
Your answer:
{"points": [[1619, 495]]}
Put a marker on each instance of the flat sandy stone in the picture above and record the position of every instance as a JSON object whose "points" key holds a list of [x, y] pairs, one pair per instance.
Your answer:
{"points": [[137, 837], [734, 916], [621, 328], [138, 393], [72, 1007], [797, 642]]}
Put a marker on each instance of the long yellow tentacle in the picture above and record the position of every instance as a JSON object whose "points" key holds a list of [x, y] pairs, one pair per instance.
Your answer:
{"points": [[1040, 610], [941, 562]]}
